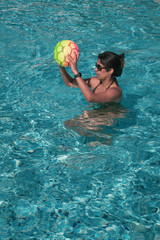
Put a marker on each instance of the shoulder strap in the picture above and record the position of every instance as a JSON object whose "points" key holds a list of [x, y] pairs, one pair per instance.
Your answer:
{"points": [[110, 84], [96, 86]]}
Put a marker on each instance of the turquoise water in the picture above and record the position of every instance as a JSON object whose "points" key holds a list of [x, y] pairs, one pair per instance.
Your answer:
{"points": [[70, 169]]}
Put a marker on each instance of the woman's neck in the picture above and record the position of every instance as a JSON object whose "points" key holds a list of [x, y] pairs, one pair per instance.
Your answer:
{"points": [[107, 81]]}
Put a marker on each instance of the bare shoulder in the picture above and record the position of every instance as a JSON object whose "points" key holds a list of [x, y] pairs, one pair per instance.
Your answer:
{"points": [[115, 93], [91, 81], [116, 90], [94, 82]]}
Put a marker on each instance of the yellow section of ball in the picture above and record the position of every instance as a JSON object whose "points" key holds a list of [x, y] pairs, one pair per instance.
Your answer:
{"points": [[64, 48], [61, 57]]}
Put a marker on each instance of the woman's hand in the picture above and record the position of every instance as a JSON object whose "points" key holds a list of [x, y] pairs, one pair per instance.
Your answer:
{"points": [[73, 63]]}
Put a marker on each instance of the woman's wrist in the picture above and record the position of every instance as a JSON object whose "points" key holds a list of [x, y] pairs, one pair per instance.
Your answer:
{"points": [[77, 75], [75, 72]]}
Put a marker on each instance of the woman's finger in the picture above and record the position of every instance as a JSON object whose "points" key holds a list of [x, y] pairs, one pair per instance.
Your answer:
{"points": [[70, 59], [77, 55]]}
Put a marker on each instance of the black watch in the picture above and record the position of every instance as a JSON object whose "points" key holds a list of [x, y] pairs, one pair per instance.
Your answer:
{"points": [[77, 75]]}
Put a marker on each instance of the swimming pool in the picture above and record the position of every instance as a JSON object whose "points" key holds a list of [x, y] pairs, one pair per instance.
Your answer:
{"points": [[94, 179]]}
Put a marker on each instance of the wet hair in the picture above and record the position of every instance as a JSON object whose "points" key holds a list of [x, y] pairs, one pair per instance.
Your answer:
{"points": [[112, 60]]}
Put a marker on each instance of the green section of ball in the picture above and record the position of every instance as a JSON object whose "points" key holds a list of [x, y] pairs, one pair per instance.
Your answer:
{"points": [[62, 50]]}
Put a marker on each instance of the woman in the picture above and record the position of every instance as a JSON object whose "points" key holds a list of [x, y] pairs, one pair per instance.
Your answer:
{"points": [[105, 88]]}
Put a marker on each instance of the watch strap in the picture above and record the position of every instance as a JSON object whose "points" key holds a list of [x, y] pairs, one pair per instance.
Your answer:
{"points": [[77, 75]]}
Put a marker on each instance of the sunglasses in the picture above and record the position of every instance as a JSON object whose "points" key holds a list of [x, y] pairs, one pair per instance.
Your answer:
{"points": [[99, 67]]}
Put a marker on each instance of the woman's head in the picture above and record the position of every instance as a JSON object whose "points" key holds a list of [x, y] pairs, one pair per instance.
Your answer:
{"points": [[113, 61]]}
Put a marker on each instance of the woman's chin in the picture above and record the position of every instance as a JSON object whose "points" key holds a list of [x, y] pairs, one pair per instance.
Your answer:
{"points": [[98, 77]]}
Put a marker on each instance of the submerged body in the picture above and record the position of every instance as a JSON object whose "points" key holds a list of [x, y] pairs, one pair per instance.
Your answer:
{"points": [[98, 123]]}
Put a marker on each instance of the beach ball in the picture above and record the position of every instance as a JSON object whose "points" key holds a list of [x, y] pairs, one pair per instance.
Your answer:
{"points": [[64, 48]]}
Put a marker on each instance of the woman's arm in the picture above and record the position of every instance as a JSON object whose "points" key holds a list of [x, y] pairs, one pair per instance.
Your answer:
{"points": [[68, 80]]}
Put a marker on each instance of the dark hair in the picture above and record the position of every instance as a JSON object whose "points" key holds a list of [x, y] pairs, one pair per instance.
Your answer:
{"points": [[112, 60]]}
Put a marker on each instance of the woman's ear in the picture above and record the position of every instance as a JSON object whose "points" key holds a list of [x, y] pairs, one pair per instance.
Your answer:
{"points": [[111, 71]]}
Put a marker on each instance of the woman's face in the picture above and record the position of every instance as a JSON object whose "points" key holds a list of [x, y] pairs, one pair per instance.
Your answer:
{"points": [[101, 72]]}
